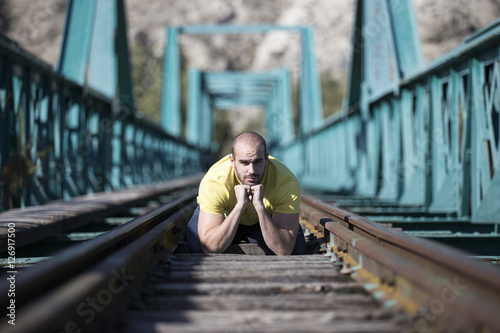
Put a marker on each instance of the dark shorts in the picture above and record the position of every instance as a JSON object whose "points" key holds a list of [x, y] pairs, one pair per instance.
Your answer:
{"points": [[251, 234]]}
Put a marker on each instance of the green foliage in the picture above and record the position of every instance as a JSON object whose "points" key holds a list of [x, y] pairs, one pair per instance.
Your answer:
{"points": [[147, 78], [223, 133], [332, 93], [256, 123]]}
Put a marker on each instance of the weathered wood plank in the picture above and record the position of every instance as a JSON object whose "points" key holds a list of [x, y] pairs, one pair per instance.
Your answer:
{"points": [[277, 302], [233, 317], [259, 258], [240, 264], [245, 293], [278, 275], [312, 325], [255, 288]]}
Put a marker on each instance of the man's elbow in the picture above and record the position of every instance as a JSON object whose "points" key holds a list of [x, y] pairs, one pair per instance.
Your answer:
{"points": [[283, 251], [211, 248], [209, 251]]}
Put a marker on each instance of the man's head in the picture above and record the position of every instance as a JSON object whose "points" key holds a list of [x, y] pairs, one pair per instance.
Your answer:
{"points": [[249, 157]]}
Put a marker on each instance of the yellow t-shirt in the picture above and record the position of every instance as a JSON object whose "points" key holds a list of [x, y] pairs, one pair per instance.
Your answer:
{"points": [[281, 190]]}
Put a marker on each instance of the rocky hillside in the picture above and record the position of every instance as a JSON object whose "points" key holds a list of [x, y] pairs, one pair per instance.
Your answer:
{"points": [[37, 25]]}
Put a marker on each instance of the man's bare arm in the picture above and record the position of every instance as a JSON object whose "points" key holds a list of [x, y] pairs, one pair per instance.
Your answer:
{"points": [[280, 230], [216, 232]]}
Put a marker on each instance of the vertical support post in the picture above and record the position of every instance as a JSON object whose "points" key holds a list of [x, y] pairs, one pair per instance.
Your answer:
{"points": [[194, 114], [77, 36], [106, 151], [95, 49], [171, 101], [311, 111], [69, 144], [272, 118], [390, 150], [207, 122], [124, 79], [117, 153], [91, 149], [285, 104], [380, 65], [5, 108], [485, 162], [406, 39], [129, 147], [102, 68]]}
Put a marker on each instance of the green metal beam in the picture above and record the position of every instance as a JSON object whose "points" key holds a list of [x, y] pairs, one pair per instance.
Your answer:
{"points": [[76, 40], [171, 93]]}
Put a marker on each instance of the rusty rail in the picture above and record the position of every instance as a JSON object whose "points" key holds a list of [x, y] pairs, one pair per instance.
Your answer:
{"points": [[70, 290], [438, 285]]}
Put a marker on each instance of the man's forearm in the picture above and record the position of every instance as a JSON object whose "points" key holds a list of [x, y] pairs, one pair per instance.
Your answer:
{"points": [[218, 239], [279, 240]]}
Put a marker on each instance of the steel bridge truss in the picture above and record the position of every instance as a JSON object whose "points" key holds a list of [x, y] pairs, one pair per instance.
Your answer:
{"points": [[232, 90], [74, 130], [410, 134], [224, 90]]}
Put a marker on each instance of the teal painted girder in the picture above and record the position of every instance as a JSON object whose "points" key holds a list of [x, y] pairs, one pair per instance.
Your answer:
{"points": [[171, 93], [194, 107], [233, 90], [60, 137], [410, 134], [94, 50], [386, 49], [77, 36], [311, 109]]}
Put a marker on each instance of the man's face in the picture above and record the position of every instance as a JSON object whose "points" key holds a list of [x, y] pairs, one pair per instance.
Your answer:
{"points": [[249, 162]]}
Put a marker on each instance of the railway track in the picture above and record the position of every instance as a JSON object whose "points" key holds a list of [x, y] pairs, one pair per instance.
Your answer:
{"points": [[365, 278], [74, 257], [48, 244], [440, 287]]}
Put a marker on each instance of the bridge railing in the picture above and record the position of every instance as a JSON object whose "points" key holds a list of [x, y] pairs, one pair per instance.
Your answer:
{"points": [[432, 142], [59, 139]]}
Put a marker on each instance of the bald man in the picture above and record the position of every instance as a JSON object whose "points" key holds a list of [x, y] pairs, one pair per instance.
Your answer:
{"points": [[247, 196]]}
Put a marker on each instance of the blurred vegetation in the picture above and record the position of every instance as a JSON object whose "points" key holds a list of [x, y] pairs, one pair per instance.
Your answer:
{"points": [[332, 93], [223, 133], [147, 76]]}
